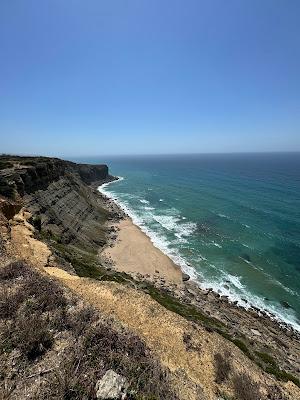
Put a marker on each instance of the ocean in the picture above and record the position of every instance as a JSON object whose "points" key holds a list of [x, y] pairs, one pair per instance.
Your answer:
{"points": [[232, 222]]}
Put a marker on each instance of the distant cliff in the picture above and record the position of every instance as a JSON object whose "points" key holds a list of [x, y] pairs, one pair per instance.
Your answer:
{"points": [[25, 175], [59, 196]]}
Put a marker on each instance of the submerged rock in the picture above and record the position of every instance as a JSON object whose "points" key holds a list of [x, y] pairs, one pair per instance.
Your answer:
{"points": [[111, 386], [246, 257], [285, 304]]}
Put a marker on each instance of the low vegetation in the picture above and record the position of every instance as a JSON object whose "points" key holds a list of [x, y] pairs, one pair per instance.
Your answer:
{"points": [[270, 366], [223, 367], [48, 336], [8, 161], [87, 264], [245, 388]]}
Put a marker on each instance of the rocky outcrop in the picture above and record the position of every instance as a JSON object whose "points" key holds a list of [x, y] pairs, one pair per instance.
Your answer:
{"points": [[59, 196], [9, 208], [112, 386]]}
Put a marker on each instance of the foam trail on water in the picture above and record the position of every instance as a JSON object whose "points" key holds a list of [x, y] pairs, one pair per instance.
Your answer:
{"points": [[143, 201], [158, 241], [237, 292], [234, 290]]}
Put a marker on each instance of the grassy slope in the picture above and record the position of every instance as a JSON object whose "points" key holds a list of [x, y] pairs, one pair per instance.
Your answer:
{"points": [[38, 316]]}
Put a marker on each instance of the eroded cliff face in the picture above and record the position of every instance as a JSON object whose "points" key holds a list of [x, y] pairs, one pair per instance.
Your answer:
{"points": [[59, 196], [25, 175]]}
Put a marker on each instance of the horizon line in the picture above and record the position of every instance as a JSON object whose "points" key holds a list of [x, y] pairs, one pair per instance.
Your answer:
{"points": [[149, 154]]}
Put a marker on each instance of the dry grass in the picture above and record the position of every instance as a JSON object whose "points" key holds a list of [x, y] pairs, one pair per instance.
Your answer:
{"points": [[223, 367], [245, 388], [190, 343], [34, 312], [275, 393], [31, 335], [14, 270]]}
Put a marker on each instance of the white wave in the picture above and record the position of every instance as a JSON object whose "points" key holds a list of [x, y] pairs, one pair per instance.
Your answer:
{"points": [[287, 289], [246, 261], [149, 208], [158, 241], [229, 218], [187, 228], [257, 267], [236, 281], [245, 245], [172, 224], [216, 244], [236, 292], [104, 185], [223, 216], [143, 201], [167, 222], [246, 226]]}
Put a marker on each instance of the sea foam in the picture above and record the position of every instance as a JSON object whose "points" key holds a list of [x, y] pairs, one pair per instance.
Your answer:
{"points": [[235, 290], [158, 240]]}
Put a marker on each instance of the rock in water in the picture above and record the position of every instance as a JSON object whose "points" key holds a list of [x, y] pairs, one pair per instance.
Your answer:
{"points": [[246, 257], [111, 386], [185, 277], [285, 304]]}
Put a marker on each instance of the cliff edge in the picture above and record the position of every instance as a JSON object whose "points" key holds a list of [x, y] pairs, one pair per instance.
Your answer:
{"points": [[58, 195]]}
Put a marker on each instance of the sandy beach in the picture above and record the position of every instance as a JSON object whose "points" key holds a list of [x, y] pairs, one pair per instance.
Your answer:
{"points": [[133, 252], [130, 250]]}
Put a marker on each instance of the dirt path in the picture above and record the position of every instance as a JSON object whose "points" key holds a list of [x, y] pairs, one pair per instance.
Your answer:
{"points": [[23, 243]]}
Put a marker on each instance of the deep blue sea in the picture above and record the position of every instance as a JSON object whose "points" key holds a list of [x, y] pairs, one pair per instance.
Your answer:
{"points": [[231, 221]]}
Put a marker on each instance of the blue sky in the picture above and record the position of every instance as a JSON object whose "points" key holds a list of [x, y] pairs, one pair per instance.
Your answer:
{"points": [[134, 76]]}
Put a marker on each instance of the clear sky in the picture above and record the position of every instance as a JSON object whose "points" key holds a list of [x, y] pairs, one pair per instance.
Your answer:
{"points": [[92, 77]]}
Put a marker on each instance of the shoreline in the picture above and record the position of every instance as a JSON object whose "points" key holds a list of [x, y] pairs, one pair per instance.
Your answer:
{"points": [[145, 303], [143, 257], [123, 255], [120, 213], [254, 331]]}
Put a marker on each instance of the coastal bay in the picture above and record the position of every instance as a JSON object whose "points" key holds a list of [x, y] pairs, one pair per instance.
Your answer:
{"points": [[128, 280], [252, 329], [230, 222]]}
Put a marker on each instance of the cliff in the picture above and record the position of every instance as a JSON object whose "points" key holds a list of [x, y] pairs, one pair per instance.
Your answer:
{"points": [[25, 175], [58, 195]]}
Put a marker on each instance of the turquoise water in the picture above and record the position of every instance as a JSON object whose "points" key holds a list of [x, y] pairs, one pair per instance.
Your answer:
{"points": [[231, 221]]}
